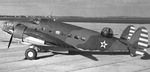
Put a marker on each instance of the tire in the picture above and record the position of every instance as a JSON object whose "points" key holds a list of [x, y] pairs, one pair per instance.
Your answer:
{"points": [[132, 55], [30, 54]]}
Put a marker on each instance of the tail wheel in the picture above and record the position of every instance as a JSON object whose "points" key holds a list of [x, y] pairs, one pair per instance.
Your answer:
{"points": [[30, 53], [132, 50], [132, 55]]}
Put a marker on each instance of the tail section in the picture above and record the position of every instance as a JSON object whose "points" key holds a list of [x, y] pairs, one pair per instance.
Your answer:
{"points": [[128, 33], [139, 41]]}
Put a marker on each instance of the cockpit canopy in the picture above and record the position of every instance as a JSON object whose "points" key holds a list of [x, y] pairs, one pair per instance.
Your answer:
{"points": [[38, 20], [107, 32]]}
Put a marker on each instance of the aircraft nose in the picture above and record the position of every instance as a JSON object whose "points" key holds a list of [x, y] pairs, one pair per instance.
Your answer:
{"points": [[8, 27], [4, 26]]}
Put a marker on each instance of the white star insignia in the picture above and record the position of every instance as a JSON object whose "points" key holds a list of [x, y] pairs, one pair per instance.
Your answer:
{"points": [[103, 44]]}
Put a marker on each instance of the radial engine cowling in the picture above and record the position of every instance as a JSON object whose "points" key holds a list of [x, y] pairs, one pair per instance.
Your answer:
{"points": [[19, 31], [107, 32]]}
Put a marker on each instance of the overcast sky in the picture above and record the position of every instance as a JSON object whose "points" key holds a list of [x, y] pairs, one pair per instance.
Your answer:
{"points": [[90, 8]]}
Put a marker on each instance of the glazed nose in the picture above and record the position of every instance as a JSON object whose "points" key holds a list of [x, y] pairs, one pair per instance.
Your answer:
{"points": [[7, 27], [4, 26]]}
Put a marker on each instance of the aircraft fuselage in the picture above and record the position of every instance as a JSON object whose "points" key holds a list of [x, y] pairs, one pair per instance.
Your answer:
{"points": [[69, 36]]}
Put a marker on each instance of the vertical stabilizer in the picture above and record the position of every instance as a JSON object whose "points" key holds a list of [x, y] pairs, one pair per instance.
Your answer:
{"points": [[139, 41], [128, 33]]}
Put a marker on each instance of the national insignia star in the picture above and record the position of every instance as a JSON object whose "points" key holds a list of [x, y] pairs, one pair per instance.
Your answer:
{"points": [[104, 44]]}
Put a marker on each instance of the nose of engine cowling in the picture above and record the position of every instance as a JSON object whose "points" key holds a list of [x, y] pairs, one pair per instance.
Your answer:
{"points": [[8, 27]]}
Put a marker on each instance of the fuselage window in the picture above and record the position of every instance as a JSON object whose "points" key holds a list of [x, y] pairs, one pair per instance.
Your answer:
{"points": [[76, 37], [63, 34], [70, 35], [50, 31], [35, 29], [57, 32], [82, 38], [42, 28], [36, 21]]}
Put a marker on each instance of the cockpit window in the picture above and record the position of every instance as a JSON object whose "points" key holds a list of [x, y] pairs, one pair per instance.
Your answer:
{"points": [[8, 24], [36, 21], [107, 32]]}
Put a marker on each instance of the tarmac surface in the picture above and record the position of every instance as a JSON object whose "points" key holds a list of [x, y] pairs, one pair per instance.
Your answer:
{"points": [[12, 60]]}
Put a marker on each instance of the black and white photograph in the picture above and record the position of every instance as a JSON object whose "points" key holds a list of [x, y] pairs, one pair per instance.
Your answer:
{"points": [[74, 35]]}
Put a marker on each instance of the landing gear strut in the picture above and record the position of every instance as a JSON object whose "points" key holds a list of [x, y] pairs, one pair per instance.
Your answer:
{"points": [[31, 53]]}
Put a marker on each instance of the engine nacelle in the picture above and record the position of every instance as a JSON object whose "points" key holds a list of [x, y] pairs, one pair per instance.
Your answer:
{"points": [[107, 32], [19, 31]]}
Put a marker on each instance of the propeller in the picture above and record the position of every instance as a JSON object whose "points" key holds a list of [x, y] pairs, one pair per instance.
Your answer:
{"points": [[10, 41]]}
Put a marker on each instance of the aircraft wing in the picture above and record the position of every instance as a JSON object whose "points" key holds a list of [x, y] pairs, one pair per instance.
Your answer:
{"points": [[133, 20]]}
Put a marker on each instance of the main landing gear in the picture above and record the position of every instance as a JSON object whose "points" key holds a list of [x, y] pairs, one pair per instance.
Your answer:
{"points": [[31, 53]]}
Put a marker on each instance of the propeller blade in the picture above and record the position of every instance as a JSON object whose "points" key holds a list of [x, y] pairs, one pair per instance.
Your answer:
{"points": [[10, 41]]}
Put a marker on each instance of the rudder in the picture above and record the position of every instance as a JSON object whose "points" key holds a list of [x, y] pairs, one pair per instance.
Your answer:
{"points": [[128, 33], [139, 41]]}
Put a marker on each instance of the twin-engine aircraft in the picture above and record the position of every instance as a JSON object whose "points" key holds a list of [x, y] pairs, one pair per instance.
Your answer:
{"points": [[47, 34]]}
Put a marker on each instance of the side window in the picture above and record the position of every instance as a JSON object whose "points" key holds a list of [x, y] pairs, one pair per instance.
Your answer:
{"points": [[42, 28], [76, 37], [63, 34], [70, 35], [57, 32], [35, 29], [83, 38], [50, 31]]}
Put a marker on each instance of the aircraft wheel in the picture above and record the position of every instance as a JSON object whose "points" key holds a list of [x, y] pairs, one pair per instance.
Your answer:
{"points": [[30, 53]]}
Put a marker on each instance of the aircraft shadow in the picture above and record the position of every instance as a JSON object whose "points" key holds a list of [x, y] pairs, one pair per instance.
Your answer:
{"points": [[146, 56], [90, 54], [85, 54], [40, 57]]}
